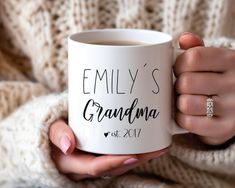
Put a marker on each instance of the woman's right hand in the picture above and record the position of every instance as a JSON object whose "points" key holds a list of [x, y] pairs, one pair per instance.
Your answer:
{"points": [[80, 165]]}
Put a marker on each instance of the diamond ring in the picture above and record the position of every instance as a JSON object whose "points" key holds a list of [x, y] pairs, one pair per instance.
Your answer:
{"points": [[209, 107]]}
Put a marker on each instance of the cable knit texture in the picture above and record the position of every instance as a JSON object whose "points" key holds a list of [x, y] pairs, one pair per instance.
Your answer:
{"points": [[33, 64]]}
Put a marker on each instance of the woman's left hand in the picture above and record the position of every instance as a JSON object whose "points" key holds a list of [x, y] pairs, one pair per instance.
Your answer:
{"points": [[79, 165], [202, 72]]}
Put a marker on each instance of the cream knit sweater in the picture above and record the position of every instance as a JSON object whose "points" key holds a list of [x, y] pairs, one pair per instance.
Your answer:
{"points": [[33, 74]]}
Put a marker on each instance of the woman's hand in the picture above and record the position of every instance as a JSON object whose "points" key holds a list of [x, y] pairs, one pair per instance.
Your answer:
{"points": [[202, 72], [80, 165]]}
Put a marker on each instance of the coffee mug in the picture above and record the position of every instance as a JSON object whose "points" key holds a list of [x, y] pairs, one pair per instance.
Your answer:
{"points": [[120, 90]]}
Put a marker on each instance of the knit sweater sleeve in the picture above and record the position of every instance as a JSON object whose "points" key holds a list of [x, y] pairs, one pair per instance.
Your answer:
{"points": [[24, 144], [224, 42]]}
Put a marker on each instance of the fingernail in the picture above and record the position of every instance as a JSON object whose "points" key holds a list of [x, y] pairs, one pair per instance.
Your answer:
{"points": [[189, 33], [65, 143], [130, 161], [185, 33], [162, 153], [199, 38]]}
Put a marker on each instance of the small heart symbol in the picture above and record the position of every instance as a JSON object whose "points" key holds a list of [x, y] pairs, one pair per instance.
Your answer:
{"points": [[106, 134]]}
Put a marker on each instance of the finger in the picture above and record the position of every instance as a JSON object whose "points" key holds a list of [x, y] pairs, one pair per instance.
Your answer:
{"points": [[79, 177], [142, 159], [205, 59], [229, 82], [122, 170], [196, 105], [119, 171], [214, 141], [83, 163], [189, 40], [62, 136], [153, 155], [204, 126], [200, 83]]}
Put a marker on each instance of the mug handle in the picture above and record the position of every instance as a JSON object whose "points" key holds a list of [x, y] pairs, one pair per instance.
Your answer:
{"points": [[176, 129]]}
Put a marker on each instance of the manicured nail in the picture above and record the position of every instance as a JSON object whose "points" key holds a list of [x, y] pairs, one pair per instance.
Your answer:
{"points": [[130, 161], [185, 33], [65, 143], [189, 33], [199, 38], [162, 153]]}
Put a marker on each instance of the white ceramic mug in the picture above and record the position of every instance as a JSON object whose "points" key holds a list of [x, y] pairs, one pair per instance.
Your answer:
{"points": [[120, 97]]}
